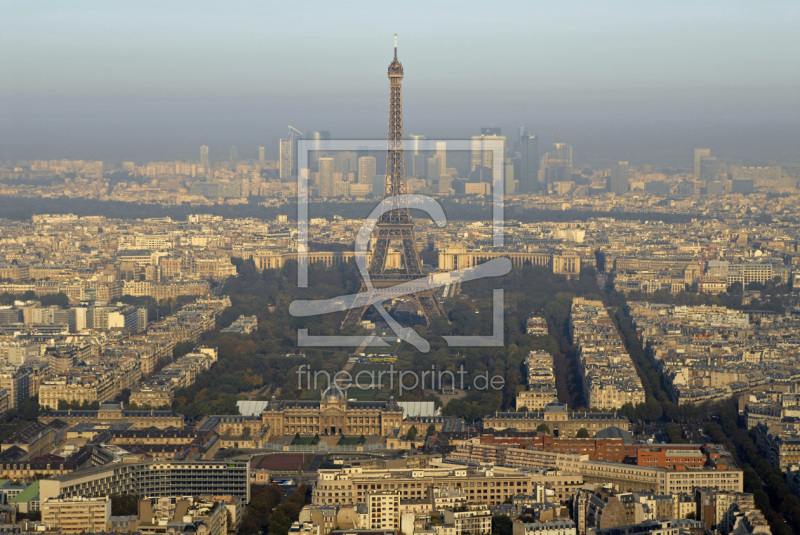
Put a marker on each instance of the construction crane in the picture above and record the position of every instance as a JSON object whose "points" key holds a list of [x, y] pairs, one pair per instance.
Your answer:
{"points": [[293, 131]]}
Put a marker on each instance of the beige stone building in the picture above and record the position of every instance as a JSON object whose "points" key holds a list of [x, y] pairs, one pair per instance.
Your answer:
{"points": [[334, 414], [112, 413], [471, 519], [383, 510], [77, 515], [630, 477], [536, 399], [492, 486], [558, 420], [152, 397], [84, 389]]}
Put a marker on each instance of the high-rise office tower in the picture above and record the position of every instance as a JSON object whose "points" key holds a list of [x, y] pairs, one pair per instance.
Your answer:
{"points": [[262, 155], [618, 181], [367, 168], [491, 131], [294, 135], [529, 163], [435, 169], [441, 152], [416, 156], [558, 163], [286, 159], [510, 183], [326, 177], [204, 156], [315, 151], [345, 162], [483, 155], [699, 153], [709, 168], [234, 158]]}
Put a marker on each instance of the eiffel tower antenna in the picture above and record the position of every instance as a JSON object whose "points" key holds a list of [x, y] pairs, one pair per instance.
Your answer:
{"points": [[395, 225]]}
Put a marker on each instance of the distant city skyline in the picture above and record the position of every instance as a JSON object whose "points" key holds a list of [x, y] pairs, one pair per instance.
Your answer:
{"points": [[621, 81]]}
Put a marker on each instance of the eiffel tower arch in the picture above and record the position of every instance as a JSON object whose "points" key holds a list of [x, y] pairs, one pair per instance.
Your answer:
{"points": [[395, 225]]}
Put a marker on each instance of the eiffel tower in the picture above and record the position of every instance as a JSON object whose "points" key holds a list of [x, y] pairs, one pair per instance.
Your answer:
{"points": [[395, 225]]}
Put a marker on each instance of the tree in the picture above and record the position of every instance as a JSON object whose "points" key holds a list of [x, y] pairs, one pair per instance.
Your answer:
{"points": [[674, 433], [125, 504], [412, 432], [542, 428], [502, 525], [430, 431], [582, 433]]}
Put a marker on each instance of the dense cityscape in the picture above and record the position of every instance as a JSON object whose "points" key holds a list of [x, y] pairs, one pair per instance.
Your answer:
{"points": [[476, 335]]}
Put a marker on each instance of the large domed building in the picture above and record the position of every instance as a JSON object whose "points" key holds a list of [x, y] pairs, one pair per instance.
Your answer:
{"points": [[333, 414]]}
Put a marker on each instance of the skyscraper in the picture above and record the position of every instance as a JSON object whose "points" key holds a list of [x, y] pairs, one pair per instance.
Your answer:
{"points": [[367, 168], [416, 156], [234, 158], [286, 159], [204, 156], [698, 154], [483, 153], [441, 152], [315, 147], [618, 181], [510, 183], [345, 162], [262, 155], [529, 163], [326, 177], [437, 164], [709, 168], [435, 169], [558, 163]]}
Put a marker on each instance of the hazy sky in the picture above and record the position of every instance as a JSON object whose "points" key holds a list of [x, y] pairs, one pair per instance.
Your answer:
{"points": [[638, 80]]}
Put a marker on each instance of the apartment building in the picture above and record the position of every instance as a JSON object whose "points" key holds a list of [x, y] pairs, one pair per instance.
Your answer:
{"points": [[153, 479], [350, 485], [470, 519], [557, 419], [77, 514]]}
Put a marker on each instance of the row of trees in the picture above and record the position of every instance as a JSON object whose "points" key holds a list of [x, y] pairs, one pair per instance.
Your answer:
{"points": [[22, 208], [265, 513], [765, 481]]}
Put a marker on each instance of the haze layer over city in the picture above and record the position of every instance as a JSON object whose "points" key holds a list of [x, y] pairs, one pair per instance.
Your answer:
{"points": [[450, 268], [621, 80]]}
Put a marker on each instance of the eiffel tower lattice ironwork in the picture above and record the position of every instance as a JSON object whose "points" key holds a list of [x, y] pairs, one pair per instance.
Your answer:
{"points": [[395, 224]]}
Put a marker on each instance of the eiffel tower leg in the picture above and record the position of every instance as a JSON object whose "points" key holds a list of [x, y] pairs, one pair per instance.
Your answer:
{"points": [[413, 264], [357, 311], [377, 263], [429, 305]]}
